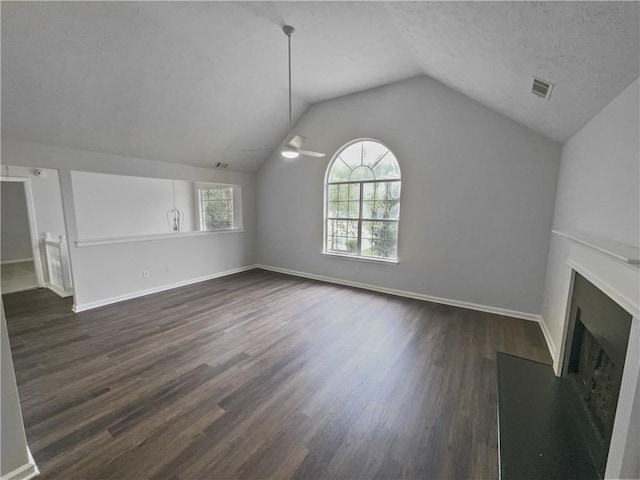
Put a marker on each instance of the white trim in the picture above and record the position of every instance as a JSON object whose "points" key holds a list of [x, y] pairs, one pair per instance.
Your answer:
{"points": [[384, 261], [77, 308], [619, 281], [25, 472], [620, 251], [628, 385], [144, 238], [547, 337], [558, 364], [19, 260], [57, 291], [402, 293]]}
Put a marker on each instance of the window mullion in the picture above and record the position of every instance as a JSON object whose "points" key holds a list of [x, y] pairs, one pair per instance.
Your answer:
{"points": [[360, 208]]}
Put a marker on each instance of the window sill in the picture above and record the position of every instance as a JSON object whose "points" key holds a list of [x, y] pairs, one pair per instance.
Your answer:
{"points": [[144, 238], [362, 259]]}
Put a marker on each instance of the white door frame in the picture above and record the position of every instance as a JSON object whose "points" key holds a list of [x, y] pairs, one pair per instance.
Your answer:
{"points": [[33, 228]]}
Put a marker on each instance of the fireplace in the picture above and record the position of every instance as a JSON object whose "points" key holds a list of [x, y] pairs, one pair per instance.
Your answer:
{"points": [[595, 355]]}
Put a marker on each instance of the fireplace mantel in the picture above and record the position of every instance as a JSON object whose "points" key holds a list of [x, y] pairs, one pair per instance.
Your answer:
{"points": [[619, 251]]}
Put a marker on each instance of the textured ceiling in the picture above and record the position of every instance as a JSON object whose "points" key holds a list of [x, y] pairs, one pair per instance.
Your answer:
{"points": [[197, 83], [490, 50]]}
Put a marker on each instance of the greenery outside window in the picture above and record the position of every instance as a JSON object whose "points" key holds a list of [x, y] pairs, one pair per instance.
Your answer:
{"points": [[362, 207], [218, 206]]}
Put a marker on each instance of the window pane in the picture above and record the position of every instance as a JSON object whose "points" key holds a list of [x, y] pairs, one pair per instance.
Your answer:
{"points": [[216, 208], [393, 210], [394, 190], [343, 192], [367, 210], [368, 191], [384, 243], [362, 173], [373, 152], [333, 209], [352, 155], [343, 209], [354, 191], [354, 209], [339, 172], [381, 190], [392, 232], [332, 193], [387, 168]]}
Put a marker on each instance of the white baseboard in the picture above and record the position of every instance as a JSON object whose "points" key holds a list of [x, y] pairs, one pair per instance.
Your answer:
{"points": [[141, 293], [403, 293], [19, 260], [57, 291], [550, 345], [25, 472]]}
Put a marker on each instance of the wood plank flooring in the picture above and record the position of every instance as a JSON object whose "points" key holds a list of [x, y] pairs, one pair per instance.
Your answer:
{"points": [[261, 375]]}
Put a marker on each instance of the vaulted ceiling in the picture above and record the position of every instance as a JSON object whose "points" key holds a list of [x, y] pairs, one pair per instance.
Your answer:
{"points": [[202, 82]]}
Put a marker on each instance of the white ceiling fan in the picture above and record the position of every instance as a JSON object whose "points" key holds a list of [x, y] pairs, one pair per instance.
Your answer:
{"points": [[293, 146]]}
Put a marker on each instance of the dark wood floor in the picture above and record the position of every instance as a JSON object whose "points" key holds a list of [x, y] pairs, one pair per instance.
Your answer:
{"points": [[261, 375]]}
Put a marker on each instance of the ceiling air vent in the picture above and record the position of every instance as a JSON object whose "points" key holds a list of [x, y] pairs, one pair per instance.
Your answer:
{"points": [[221, 165], [541, 88]]}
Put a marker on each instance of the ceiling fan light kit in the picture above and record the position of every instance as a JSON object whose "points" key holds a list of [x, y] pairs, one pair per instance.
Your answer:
{"points": [[291, 149], [288, 151]]}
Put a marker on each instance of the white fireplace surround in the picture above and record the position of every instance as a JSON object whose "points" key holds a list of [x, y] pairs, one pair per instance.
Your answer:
{"points": [[620, 280]]}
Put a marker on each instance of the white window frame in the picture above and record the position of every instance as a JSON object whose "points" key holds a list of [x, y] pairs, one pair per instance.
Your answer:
{"points": [[198, 187], [327, 183]]}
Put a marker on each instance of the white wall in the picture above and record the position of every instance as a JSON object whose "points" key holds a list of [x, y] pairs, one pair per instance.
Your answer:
{"points": [[14, 228], [14, 452], [477, 196], [108, 271], [119, 206], [599, 194]]}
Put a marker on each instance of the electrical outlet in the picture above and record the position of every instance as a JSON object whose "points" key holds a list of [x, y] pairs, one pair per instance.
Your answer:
{"points": [[145, 274]]}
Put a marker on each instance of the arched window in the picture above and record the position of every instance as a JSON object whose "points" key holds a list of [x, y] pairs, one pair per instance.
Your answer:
{"points": [[362, 205]]}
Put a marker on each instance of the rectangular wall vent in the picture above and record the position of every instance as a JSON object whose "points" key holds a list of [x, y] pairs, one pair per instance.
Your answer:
{"points": [[541, 88], [221, 165]]}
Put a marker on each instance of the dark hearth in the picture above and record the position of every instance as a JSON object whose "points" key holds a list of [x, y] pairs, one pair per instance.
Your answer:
{"points": [[540, 439], [560, 427]]}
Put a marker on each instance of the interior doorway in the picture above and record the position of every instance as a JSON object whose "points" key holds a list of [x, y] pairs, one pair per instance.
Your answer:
{"points": [[20, 262], [34, 250]]}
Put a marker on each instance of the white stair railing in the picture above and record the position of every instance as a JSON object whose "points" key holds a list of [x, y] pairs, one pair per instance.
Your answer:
{"points": [[57, 257]]}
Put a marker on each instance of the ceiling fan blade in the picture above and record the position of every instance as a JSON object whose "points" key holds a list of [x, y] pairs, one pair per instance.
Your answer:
{"points": [[311, 154], [297, 141]]}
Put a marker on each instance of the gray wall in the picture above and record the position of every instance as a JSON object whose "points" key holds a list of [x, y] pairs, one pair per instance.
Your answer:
{"points": [[477, 196], [14, 226], [598, 194], [105, 272], [13, 447]]}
